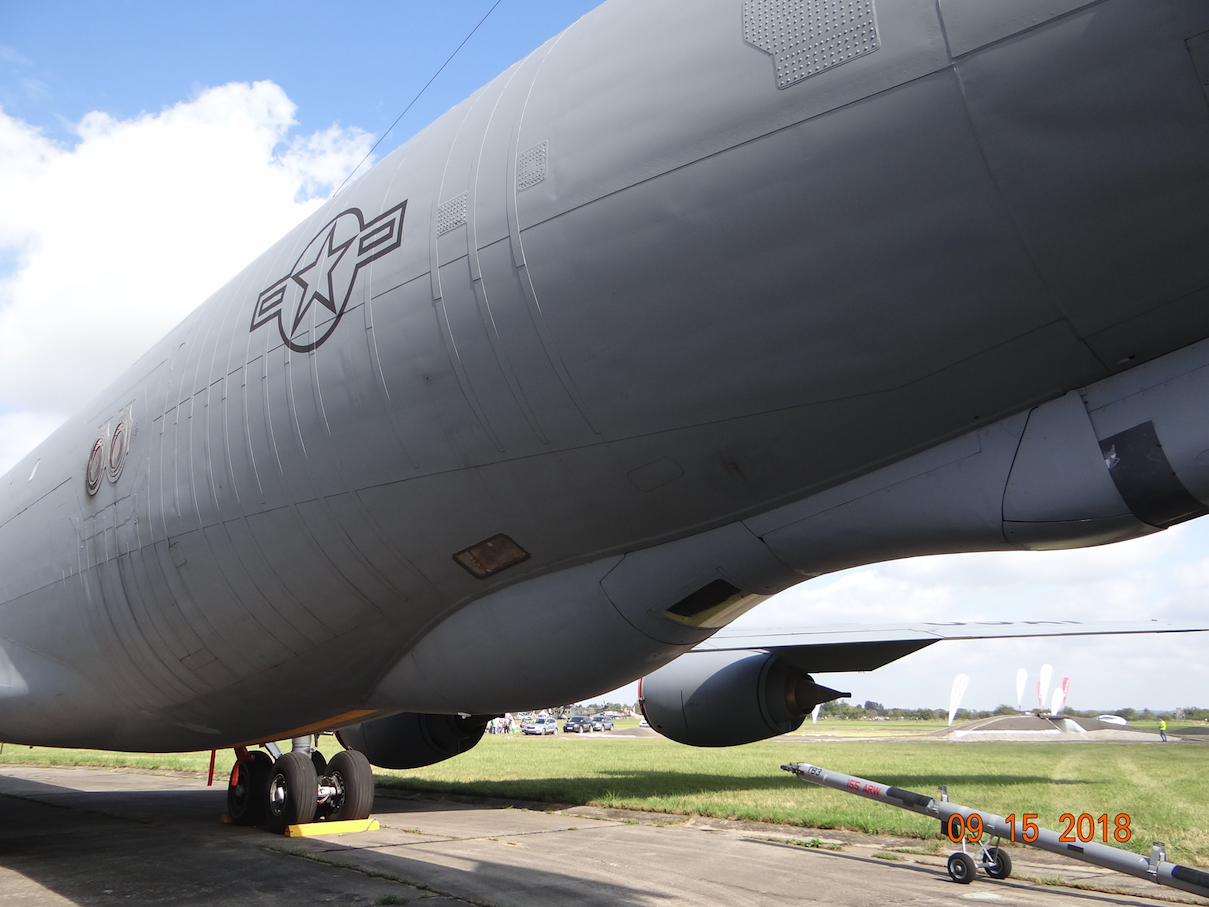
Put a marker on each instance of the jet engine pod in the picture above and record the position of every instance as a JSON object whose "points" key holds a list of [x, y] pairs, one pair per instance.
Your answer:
{"points": [[411, 740], [729, 698]]}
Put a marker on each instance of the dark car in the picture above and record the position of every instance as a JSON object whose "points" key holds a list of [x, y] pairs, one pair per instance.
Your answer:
{"points": [[602, 723], [577, 724]]}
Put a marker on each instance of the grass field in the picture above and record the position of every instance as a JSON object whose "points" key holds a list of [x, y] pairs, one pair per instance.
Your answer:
{"points": [[1161, 788]]}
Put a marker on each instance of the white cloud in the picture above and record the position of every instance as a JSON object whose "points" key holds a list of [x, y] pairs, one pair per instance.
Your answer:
{"points": [[21, 432], [11, 55], [120, 236], [319, 162], [35, 89]]}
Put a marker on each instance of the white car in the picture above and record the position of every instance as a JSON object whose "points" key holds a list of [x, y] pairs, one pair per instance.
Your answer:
{"points": [[541, 726], [1112, 719]]}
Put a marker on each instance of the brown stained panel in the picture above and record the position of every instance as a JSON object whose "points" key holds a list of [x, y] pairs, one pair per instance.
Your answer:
{"points": [[491, 556]]}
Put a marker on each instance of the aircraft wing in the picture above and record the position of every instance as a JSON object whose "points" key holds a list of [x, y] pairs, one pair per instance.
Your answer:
{"points": [[840, 648]]}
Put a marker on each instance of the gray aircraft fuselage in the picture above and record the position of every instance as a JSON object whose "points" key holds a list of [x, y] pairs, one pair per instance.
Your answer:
{"points": [[667, 276]]}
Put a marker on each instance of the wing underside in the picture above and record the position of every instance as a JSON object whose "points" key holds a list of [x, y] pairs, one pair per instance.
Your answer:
{"points": [[837, 649]]}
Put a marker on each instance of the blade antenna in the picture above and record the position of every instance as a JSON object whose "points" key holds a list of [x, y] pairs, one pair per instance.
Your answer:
{"points": [[417, 97]]}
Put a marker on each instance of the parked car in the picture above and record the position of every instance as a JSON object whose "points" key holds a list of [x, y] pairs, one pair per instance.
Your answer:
{"points": [[602, 723], [577, 724], [540, 726], [1112, 719]]}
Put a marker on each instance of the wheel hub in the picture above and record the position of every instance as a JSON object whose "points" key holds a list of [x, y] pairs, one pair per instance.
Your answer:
{"points": [[278, 794], [331, 792]]}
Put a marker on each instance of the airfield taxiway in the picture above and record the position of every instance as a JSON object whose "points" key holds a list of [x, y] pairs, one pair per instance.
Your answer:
{"points": [[96, 837]]}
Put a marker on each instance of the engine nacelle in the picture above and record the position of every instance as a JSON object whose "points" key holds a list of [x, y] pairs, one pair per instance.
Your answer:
{"points": [[729, 698], [411, 740]]}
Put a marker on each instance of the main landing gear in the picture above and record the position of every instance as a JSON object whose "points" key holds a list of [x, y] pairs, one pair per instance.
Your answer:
{"points": [[299, 787]]}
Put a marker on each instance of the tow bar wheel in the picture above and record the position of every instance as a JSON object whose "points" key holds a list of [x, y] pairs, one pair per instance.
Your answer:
{"points": [[998, 864], [291, 791], [962, 868]]}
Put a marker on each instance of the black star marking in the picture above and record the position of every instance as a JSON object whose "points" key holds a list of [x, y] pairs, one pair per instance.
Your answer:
{"points": [[322, 279], [317, 287]]}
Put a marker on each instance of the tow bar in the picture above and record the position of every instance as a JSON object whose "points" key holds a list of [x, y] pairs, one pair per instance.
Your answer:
{"points": [[960, 823]]}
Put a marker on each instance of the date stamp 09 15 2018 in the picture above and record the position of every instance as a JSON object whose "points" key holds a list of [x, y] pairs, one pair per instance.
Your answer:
{"points": [[1080, 828]]}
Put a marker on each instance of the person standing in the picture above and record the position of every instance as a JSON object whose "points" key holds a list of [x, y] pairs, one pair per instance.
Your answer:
{"points": [[1163, 729]]}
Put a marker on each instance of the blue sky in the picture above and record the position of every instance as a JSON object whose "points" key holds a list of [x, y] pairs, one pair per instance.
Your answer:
{"points": [[356, 65], [99, 101], [115, 118]]}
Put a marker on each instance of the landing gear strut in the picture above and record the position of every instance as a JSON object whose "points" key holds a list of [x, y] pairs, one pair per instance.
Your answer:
{"points": [[299, 787]]}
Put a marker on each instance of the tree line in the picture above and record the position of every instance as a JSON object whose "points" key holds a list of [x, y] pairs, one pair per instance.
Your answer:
{"points": [[843, 710]]}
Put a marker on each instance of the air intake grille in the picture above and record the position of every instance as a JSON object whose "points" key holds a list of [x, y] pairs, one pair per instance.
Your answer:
{"points": [[531, 166], [806, 37], [451, 214]]}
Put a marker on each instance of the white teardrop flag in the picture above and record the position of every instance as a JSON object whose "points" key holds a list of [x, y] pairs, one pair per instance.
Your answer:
{"points": [[960, 682], [1043, 685], [1021, 678], [1065, 700]]}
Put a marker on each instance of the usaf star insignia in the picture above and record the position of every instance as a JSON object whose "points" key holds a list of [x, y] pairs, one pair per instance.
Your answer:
{"points": [[309, 302]]}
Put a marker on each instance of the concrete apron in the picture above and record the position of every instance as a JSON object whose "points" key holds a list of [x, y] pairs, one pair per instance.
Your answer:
{"points": [[100, 837]]}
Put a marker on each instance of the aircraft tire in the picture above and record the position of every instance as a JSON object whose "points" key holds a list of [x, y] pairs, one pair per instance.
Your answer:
{"points": [[290, 793], [351, 771], [1001, 866], [962, 868], [246, 796]]}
